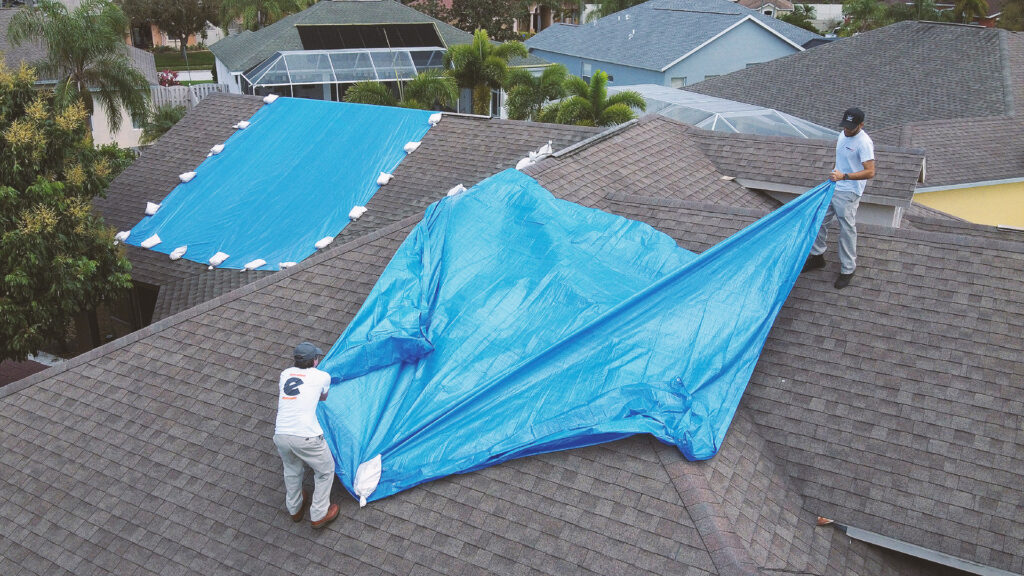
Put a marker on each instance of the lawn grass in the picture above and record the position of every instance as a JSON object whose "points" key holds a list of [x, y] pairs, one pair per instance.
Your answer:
{"points": [[198, 60]]}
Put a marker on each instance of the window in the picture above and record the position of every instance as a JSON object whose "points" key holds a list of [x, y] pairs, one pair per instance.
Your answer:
{"points": [[585, 71], [678, 81]]}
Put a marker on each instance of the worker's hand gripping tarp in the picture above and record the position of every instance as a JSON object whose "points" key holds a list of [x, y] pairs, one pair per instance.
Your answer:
{"points": [[511, 323]]}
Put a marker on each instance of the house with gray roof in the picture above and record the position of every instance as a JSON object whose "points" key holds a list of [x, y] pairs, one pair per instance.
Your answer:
{"points": [[953, 90], [891, 409], [670, 42], [319, 52]]}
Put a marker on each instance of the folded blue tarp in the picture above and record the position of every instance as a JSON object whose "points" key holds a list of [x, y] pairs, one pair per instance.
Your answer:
{"points": [[511, 323], [283, 183]]}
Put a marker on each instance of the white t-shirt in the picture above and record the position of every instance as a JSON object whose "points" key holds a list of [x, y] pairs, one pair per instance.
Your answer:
{"points": [[851, 154], [299, 390]]}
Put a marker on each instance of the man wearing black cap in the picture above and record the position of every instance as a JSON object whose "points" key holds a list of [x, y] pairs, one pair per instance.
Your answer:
{"points": [[300, 440], [855, 165]]}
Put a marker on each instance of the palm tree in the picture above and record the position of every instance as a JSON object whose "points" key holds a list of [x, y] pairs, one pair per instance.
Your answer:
{"points": [[589, 105], [256, 14], [967, 10], [86, 54], [482, 66], [527, 94], [428, 90]]}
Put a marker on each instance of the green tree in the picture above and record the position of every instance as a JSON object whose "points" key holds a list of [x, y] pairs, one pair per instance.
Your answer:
{"points": [[802, 16], [86, 54], [482, 66], [57, 258], [863, 15], [178, 18], [1012, 17], [429, 90], [967, 10], [590, 105], [256, 14], [494, 15], [528, 94], [159, 121], [609, 7], [918, 10]]}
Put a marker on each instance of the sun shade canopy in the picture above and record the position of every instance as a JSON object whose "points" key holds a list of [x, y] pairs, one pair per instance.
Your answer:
{"points": [[283, 184], [510, 323], [344, 66], [721, 115]]}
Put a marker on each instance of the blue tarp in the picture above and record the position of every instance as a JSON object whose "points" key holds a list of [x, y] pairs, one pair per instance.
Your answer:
{"points": [[512, 323], [285, 182]]}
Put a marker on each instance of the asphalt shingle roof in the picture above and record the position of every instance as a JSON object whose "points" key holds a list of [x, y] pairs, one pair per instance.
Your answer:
{"points": [[152, 455], [655, 34], [912, 72]]}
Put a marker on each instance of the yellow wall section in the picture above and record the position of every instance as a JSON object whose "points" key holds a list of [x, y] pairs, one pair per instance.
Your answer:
{"points": [[992, 205]]}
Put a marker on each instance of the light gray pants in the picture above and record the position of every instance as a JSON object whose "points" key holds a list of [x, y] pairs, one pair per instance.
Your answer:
{"points": [[296, 451], [844, 208]]}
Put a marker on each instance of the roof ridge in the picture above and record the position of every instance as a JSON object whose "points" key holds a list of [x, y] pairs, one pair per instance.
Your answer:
{"points": [[203, 307]]}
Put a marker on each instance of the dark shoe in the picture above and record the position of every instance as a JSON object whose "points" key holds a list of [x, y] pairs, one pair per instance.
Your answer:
{"points": [[814, 262], [843, 280], [297, 517], [332, 514]]}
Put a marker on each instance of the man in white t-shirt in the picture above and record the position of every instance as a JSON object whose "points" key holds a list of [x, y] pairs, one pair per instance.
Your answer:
{"points": [[855, 165], [300, 440]]}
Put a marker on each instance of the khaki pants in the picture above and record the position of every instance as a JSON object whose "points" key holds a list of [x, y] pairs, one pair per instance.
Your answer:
{"points": [[297, 451], [843, 208]]}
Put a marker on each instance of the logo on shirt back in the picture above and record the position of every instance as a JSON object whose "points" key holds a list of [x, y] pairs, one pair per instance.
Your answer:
{"points": [[291, 386]]}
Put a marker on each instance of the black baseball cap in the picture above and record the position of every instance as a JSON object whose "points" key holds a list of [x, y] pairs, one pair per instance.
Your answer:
{"points": [[307, 352], [852, 118]]}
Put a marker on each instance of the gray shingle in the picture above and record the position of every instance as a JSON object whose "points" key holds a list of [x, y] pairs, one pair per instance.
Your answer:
{"points": [[657, 33]]}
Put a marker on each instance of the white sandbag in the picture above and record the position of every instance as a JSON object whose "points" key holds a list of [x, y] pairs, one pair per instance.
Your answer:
{"points": [[434, 118], [241, 125], [218, 259], [284, 265], [269, 98], [122, 236], [545, 149], [151, 208], [324, 242], [217, 149], [187, 176], [254, 264], [356, 212], [367, 478], [178, 252], [524, 163], [384, 178], [411, 147], [456, 190], [151, 241]]}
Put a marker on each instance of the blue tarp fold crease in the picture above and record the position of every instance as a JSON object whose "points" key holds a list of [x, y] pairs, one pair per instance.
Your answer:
{"points": [[511, 323]]}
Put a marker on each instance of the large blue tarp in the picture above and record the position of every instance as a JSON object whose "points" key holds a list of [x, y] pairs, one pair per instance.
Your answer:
{"points": [[512, 323], [283, 183]]}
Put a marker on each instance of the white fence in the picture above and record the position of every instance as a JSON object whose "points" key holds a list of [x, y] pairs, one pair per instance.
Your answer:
{"points": [[187, 96]]}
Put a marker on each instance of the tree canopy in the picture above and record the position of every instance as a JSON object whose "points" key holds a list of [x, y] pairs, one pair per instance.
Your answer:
{"points": [[256, 14], [178, 18], [482, 66], [86, 55], [590, 105], [528, 94], [802, 16], [56, 256], [429, 90]]}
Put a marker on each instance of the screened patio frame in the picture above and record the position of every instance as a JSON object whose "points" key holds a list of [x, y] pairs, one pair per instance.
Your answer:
{"points": [[329, 66]]}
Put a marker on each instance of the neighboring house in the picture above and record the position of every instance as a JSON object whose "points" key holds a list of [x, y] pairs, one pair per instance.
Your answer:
{"points": [[30, 52], [892, 407], [955, 91], [670, 42], [774, 8], [319, 52]]}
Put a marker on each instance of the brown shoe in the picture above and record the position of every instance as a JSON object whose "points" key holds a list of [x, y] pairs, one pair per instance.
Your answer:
{"points": [[332, 514], [297, 517]]}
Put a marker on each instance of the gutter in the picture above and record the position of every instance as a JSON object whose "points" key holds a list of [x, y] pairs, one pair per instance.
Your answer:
{"points": [[927, 189]]}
